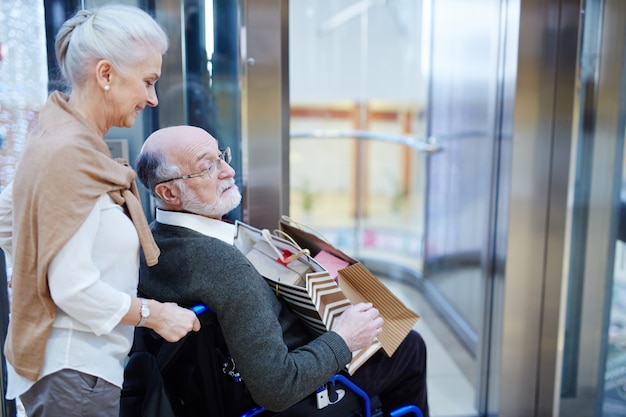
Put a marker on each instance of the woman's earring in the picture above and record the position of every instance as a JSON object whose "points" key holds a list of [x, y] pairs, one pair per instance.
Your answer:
{"points": [[107, 87]]}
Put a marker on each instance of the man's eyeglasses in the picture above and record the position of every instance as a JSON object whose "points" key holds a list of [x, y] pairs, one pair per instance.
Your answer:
{"points": [[225, 155]]}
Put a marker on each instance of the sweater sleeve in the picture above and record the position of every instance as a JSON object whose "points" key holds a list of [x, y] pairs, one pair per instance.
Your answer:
{"points": [[249, 312]]}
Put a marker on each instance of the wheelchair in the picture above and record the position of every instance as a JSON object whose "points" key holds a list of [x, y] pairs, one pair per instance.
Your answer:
{"points": [[366, 410], [194, 377]]}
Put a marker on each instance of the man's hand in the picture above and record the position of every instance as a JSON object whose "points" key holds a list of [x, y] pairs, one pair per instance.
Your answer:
{"points": [[172, 322], [358, 325]]}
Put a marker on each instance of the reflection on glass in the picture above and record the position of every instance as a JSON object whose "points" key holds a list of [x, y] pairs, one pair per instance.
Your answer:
{"points": [[200, 78], [358, 150], [594, 348], [355, 69], [614, 403]]}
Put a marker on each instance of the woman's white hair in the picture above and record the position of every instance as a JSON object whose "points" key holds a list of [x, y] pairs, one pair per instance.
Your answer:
{"points": [[121, 34]]}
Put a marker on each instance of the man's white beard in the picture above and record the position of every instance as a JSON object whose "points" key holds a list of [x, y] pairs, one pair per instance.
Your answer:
{"points": [[222, 205]]}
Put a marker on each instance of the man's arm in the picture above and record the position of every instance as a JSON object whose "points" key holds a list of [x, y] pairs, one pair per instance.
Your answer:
{"points": [[277, 375]]}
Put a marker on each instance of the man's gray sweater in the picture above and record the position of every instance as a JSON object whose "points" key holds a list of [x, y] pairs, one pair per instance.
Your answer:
{"points": [[278, 359]]}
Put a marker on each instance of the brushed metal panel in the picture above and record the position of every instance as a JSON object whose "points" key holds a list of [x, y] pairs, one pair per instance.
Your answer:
{"points": [[265, 100], [555, 280], [534, 277], [490, 371]]}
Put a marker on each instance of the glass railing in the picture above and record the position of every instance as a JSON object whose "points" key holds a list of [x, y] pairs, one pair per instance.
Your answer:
{"points": [[364, 191]]}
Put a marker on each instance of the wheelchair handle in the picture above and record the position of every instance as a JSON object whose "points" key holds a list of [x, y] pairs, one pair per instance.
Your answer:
{"points": [[201, 309]]}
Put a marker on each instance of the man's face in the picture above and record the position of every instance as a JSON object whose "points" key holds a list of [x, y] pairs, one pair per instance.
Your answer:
{"points": [[214, 193]]}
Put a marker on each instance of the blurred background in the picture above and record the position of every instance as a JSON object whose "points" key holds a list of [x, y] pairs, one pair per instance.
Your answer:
{"points": [[470, 153]]}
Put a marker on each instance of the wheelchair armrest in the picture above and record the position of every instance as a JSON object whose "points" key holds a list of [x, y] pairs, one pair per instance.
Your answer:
{"points": [[254, 412], [356, 389], [200, 309], [333, 380], [406, 410]]}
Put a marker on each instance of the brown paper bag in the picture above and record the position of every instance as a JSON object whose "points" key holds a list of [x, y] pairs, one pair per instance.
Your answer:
{"points": [[359, 285]]}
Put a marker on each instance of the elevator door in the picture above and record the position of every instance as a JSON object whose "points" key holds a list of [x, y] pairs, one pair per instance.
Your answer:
{"points": [[471, 92], [398, 127]]}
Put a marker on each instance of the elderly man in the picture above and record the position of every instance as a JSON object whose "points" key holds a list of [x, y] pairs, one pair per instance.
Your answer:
{"points": [[193, 186]]}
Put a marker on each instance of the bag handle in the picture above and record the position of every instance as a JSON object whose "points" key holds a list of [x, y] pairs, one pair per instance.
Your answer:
{"points": [[268, 238], [285, 235], [305, 228]]}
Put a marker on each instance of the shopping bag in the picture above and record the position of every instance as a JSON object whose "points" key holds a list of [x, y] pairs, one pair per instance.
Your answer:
{"points": [[358, 284], [327, 260], [317, 300], [330, 263], [282, 265]]}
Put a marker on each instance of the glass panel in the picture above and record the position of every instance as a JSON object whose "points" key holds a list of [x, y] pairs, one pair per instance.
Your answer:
{"points": [[463, 110], [467, 118], [594, 350], [355, 175], [585, 100], [614, 404], [199, 78], [359, 155]]}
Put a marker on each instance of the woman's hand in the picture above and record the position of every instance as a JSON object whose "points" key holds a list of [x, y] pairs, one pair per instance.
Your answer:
{"points": [[170, 321]]}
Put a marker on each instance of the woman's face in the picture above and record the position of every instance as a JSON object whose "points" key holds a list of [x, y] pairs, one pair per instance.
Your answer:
{"points": [[133, 90]]}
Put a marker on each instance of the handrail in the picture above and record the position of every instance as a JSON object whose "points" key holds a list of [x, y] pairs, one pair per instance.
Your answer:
{"points": [[428, 146]]}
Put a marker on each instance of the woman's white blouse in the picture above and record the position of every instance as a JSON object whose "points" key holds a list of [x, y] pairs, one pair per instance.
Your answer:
{"points": [[91, 281]]}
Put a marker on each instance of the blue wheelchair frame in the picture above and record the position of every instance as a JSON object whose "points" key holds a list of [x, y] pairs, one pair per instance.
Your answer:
{"points": [[401, 411]]}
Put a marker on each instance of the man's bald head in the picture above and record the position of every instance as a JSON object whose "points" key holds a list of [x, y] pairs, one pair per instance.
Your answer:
{"points": [[164, 153], [168, 139], [184, 170]]}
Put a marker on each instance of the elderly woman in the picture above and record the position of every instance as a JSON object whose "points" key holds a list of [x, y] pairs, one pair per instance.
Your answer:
{"points": [[78, 225]]}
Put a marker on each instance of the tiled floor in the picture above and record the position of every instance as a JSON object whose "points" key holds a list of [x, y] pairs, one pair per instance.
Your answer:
{"points": [[450, 392]]}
